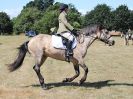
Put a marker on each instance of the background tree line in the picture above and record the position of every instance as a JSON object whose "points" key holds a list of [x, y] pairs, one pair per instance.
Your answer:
{"points": [[41, 15]]}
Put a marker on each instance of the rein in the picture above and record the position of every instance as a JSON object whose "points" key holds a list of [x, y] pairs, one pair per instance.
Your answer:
{"points": [[84, 36]]}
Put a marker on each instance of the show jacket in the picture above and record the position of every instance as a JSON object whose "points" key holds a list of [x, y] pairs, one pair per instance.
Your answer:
{"points": [[64, 26]]}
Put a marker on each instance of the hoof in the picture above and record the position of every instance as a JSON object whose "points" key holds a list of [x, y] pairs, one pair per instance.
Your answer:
{"points": [[44, 87], [65, 80], [80, 82]]}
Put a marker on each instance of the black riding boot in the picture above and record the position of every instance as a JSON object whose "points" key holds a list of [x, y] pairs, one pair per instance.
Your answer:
{"points": [[69, 51]]}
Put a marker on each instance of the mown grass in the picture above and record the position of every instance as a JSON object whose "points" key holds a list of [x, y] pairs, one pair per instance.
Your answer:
{"points": [[110, 73]]}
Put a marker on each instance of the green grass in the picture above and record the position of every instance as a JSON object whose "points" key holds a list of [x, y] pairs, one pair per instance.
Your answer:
{"points": [[110, 73]]}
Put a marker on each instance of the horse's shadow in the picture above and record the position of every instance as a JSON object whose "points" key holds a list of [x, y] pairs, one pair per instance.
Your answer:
{"points": [[96, 85]]}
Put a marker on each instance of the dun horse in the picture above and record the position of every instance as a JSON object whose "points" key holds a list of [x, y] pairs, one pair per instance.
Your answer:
{"points": [[41, 48]]}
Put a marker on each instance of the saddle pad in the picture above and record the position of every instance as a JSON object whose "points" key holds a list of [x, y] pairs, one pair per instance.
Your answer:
{"points": [[57, 42]]}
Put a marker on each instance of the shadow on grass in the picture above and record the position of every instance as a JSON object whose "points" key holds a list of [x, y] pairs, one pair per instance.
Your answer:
{"points": [[96, 85]]}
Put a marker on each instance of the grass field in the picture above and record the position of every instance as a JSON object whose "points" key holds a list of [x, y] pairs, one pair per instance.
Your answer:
{"points": [[110, 73]]}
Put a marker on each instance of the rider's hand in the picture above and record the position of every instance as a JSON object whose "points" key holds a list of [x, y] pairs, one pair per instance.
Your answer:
{"points": [[74, 31]]}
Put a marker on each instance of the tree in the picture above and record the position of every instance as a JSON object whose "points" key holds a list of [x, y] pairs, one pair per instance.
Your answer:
{"points": [[121, 18], [6, 26], [74, 17], [34, 16], [130, 20], [50, 18], [100, 15], [40, 4], [26, 20]]}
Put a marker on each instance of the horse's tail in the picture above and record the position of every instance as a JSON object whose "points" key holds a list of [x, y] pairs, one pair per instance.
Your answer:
{"points": [[20, 58]]}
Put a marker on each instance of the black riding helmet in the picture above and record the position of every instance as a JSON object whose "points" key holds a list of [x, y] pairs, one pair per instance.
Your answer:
{"points": [[63, 7]]}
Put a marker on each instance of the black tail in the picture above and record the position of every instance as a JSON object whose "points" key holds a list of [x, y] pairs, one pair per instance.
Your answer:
{"points": [[20, 58]]}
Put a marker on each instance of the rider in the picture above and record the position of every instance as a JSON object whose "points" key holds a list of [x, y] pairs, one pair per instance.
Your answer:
{"points": [[65, 29], [130, 33]]}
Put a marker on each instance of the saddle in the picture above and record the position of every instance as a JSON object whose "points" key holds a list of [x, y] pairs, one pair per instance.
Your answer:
{"points": [[61, 42]]}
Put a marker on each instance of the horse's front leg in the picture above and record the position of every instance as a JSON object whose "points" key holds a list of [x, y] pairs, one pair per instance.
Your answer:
{"points": [[85, 73], [76, 68]]}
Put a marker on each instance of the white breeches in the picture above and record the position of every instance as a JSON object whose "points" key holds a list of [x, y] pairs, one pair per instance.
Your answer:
{"points": [[68, 35]]}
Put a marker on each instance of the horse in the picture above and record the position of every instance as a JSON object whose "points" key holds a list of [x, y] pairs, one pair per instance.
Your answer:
{"points": [[40, 47], [128, 37]]}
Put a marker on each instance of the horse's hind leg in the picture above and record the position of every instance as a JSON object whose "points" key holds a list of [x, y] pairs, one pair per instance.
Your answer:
{"points": [[39, 62], [76, 68]]}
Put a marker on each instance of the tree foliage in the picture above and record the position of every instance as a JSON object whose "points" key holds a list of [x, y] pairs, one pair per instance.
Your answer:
{"points": [[40, 4], [26, 20], [74, 17], [121, 18], [42, 21], [100, 15], [130, 20], [6, 26], [41, 15]]}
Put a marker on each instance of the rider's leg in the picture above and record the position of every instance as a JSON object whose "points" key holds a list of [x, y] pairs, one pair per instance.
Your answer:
{"points": [[69, 51], [69, 48], [69, 43]]}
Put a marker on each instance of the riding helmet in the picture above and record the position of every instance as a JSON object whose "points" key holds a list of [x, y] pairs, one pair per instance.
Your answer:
{"points": [[63, 6]]}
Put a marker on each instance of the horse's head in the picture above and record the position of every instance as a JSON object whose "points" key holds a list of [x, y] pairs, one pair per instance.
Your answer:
{"points": [[98, 32], [104, 36]]}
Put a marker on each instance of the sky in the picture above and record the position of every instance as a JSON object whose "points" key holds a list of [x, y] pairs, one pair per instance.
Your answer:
{"points": [[14, 7]]}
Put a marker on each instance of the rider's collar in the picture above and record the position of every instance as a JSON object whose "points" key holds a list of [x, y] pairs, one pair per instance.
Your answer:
{"points": [[64, 12]]}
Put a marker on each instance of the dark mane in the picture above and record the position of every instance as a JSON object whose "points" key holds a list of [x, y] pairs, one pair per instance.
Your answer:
{"points": [[90, 29]]}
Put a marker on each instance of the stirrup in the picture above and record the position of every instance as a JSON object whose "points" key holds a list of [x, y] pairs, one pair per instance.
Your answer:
{"points": [[68, 54], [71, 53], [67, 58]]}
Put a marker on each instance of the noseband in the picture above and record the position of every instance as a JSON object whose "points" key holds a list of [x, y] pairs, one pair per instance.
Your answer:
{"points": [[105, 38]]}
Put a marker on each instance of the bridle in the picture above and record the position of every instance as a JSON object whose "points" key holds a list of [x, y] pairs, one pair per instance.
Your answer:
{"points": [[106, 39], [85, 36]]}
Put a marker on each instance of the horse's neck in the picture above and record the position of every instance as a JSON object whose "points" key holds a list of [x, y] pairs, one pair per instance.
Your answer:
{"points": [[85, 45]]}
